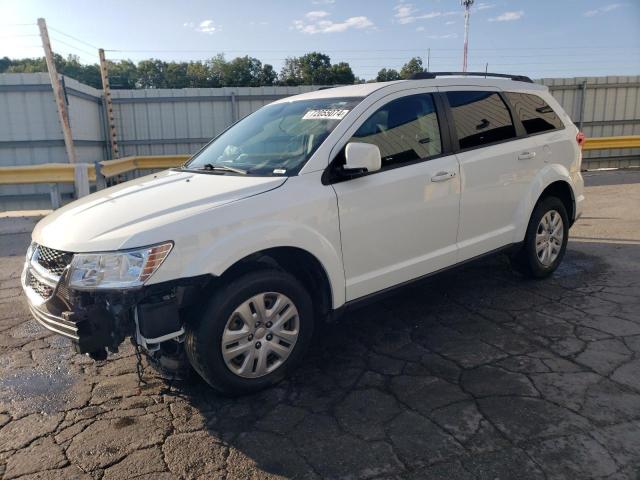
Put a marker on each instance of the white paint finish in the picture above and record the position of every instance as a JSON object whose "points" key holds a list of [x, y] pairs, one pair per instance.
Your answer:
{"points": [[494, 181], [121, 216], [368, 233], [397, 225]]}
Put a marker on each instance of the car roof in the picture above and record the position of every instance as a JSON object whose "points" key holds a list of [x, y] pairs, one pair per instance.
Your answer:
{"points": [[365, 89]]}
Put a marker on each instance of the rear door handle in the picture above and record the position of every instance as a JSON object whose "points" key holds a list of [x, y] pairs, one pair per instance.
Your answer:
{"points": [[442, 176], [526, 155]]}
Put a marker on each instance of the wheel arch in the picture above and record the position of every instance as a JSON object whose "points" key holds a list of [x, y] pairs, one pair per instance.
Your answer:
{"points": [[552, 181], [562, 190], [300, 263]]}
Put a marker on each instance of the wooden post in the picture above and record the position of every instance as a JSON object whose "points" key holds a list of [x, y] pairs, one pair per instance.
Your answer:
{"points": [[58, 92], [54, 193], [81, 181], [104, 73]]}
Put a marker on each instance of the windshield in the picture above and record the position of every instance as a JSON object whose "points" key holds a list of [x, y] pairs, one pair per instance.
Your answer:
{"points": [[276, 140]]}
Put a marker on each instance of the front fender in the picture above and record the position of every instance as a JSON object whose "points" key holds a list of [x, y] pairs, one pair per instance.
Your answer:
{"points": [[545, 177], [218, 257]]}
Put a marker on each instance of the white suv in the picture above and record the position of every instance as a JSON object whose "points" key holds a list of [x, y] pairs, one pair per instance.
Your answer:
{"points": [[302, 210]]}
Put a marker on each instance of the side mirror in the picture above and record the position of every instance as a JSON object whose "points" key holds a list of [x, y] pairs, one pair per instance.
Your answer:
{"points": [[362, 158]]}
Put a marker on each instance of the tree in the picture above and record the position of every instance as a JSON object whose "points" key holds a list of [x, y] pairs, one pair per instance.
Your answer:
{"points": [[412, 66], [268, 75], [198, 75], [217, 66], [242, 72], [385, 75], [176, 75], [5, 63], [315, 68], [151, 74], [312, 68], [342, 74], [291, 72], [122, 74]]}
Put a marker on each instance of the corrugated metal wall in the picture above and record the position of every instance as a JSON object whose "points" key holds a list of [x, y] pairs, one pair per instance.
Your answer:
{"points": [[30, 132], [167, 121], [610, 106]]}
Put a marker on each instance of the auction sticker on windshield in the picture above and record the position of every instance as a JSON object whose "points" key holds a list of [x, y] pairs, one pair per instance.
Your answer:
{"points": [[326, 114]]}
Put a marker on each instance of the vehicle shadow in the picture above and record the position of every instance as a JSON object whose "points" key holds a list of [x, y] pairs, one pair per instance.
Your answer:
{"points": [[461, 374]]}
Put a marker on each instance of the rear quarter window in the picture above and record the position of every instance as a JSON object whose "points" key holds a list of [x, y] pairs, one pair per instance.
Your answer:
{"points": [[534, 113]]}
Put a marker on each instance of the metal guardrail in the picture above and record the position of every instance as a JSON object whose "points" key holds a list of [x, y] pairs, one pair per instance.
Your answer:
{"points": [[112, 168], [55, 173], [66, 173], [605, 143], [44, 173]]}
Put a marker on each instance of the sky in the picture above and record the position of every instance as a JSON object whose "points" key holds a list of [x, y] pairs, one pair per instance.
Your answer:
{"points": [[539, 38]]}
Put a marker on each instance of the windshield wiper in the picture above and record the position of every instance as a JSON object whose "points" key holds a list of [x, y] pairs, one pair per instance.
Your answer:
{"points": [[210, 166]]}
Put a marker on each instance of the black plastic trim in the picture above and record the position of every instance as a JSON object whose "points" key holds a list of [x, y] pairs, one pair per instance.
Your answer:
{"points": [[433, 75], [329, 177]]}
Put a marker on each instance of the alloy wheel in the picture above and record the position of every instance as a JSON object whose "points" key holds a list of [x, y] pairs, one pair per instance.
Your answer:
{"points": [[260, 335], [549, 237]]}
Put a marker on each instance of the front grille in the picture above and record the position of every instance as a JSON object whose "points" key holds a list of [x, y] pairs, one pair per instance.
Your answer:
{"points": [[42, 289], [55, 261], [63, 291]]}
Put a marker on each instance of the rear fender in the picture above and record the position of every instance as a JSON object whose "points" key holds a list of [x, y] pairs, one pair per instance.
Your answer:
{"points": [[545, 177]]}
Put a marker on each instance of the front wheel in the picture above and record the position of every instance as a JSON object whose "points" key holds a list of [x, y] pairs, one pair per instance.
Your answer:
{"points": [[252, 332], [546, 239]]}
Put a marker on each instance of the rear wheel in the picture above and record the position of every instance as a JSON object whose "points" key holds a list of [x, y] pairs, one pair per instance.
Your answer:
{"points": [[252, 332], [546, 239]]}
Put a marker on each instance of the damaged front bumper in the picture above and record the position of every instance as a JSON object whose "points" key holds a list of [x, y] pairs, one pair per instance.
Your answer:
{"points": [[99, 321]]}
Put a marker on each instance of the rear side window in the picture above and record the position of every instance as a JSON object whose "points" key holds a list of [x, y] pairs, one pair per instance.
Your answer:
{"points": [[480, 118], [534, 113], [404, 130]]}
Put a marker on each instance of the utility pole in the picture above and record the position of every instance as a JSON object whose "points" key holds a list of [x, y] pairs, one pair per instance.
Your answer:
{"points": [[467, 13], [58, 92], [106, 89], [428, 59]]}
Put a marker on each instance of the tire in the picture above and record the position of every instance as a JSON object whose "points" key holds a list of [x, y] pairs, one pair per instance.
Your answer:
{"points": [[528, 260], [223, 317]]}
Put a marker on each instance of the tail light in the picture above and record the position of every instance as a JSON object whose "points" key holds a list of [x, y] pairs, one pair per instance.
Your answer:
{"points": [[580, 138]]}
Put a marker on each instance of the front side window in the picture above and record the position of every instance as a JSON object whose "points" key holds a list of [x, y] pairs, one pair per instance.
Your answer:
{"points": [[480, 118], [534, 113], [276, 140], [404, 130]]}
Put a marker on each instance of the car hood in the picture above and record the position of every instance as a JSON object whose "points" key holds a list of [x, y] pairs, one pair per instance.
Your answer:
{"points": [[113, 218]]}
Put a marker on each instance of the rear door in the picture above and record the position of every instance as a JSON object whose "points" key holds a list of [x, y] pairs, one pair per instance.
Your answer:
{"points": [[543, 127], [497, 163]]}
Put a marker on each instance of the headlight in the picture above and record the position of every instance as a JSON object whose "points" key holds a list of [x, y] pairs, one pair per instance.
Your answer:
{"points": [[125, 269]]}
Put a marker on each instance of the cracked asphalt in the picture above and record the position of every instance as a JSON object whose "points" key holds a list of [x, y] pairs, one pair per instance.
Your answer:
{"points": [[475, 373]]}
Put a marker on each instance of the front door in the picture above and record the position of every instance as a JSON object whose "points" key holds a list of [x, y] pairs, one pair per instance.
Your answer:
{"points": [[401, 222]]}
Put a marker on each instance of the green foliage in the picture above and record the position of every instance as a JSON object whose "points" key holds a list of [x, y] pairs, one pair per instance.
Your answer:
{"points": [[385, 75], [315, 68], [154, 73], [412, 66]]}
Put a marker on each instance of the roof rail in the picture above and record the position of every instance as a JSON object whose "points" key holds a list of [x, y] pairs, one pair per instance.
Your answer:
{"points": [[432, 75]]}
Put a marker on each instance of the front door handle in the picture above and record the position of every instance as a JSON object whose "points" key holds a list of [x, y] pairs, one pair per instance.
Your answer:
{"points": [[526, 155], [442, 176]]}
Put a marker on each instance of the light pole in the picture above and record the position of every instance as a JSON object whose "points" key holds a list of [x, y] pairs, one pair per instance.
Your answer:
{"points": [[467, 12]]}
